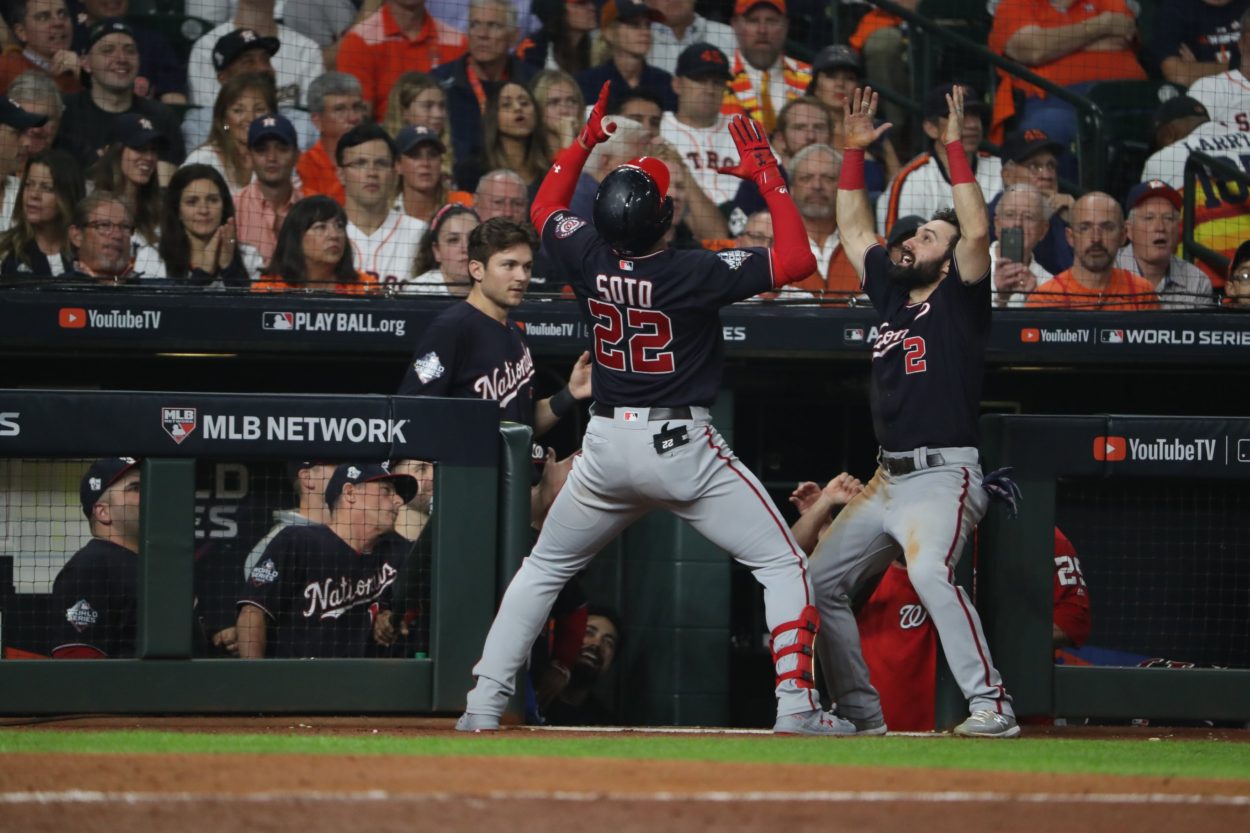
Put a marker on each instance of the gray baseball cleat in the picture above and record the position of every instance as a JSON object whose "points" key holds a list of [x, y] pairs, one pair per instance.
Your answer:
{"points": [[985, 723], [870, 726], [470, 722], [814, 722]]}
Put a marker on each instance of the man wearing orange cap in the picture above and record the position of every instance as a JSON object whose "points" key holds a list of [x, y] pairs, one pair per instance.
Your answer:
{"points": [[763, 77]]}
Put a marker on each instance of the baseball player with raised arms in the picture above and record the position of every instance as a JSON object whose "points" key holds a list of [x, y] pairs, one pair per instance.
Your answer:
{"points": [[654, 316], [925, 498]]}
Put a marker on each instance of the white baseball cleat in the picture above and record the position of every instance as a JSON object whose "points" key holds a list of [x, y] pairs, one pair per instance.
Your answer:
{"points": [[985, 723], [470, 722], [814, 722]]}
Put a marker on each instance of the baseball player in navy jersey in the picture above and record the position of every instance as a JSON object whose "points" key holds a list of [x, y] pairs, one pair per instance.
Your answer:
{"points": [[925, 498], [654, 316]]}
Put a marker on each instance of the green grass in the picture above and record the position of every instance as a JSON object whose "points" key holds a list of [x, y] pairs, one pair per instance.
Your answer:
{"points": [[1174, 758]]}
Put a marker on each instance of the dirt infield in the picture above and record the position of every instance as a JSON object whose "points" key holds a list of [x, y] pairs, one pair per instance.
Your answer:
{"points": [[310, 794]]}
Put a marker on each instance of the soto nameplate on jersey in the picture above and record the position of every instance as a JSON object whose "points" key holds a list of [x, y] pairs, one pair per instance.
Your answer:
{"points": [[669, 439]]}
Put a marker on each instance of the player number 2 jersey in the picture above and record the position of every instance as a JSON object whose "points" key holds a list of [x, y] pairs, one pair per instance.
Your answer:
{"points": [[655, 320]]}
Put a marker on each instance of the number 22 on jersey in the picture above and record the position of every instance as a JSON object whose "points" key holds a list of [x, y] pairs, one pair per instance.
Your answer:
{"points": [[631, 340]]}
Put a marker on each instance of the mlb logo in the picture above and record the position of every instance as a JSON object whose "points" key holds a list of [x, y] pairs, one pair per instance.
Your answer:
{"points": [[631, 416], [626, 265], [1112, 337], [179, 423], [1030, 335], [72, 318], [279, 321], [1110, 449], [853, 334]]}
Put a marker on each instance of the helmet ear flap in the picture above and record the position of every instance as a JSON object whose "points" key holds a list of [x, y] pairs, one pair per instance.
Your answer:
{"points": [[665, 219]]}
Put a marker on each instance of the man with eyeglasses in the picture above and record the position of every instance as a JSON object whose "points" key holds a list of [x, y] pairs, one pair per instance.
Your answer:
{"points": [[1237, 285], [384, 239], [100, 235], [1094, 282], [1030, 157], [1154, 230], [502, 193], [487, 64], [1024, 207], [400, 37], [336, 105]]}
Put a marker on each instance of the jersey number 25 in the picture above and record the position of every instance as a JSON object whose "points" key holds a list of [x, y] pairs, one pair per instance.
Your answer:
{"points": [[634, 342]]}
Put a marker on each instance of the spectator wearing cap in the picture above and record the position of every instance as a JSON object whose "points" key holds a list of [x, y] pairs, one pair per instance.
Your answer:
{"points": [[111, 64], [100, 233], [162, 74], [1016, 275], [262, 206], [681, 28], [1226, 95], [482, 70], [763, 77], [923, 185], [36, 93], [697, 130], [1237, 284], [336, 105], [95, 593], [1182, 125], [243, 52], [317, 585], [296, 63], [836, 72], [383, 238], [423, 187], [15, 126], [1094, 282], [1154, 231], [1189, 40], [1069, 43], [881, 38], [1029, 157], [625, 26], [127, 168], [43, 28], [399, 37]]}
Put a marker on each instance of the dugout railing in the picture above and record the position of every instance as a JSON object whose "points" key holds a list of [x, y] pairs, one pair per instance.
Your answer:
{"points": [[464, 437], [1016, 571]]}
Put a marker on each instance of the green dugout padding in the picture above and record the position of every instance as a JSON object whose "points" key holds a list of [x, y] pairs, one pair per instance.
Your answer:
{"points": [[1015, 571]]}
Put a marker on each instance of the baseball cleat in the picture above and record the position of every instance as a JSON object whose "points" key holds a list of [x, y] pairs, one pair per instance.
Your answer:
{"points": [[870, 726], [988, 724], [814, 722], [469, 722]]}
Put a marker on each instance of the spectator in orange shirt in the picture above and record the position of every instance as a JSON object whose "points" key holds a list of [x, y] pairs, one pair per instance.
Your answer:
{"points": [[1074, 45], [336, 105], [398, 38], [881, 38], [313, 252], [1097, 233], [44, 29]]}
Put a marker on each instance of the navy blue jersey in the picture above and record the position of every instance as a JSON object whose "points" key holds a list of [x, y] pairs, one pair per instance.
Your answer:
{"points": [[94, 600], [466, 354], [928, 359], [320, 594], [655, 319], [1210, 32]]}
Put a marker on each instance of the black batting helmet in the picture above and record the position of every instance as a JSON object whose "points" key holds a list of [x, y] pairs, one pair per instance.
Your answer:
{"points": [[632, 207]]}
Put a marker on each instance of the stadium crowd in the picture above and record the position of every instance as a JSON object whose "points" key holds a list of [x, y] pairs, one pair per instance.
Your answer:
{"points": [[352, 145]]}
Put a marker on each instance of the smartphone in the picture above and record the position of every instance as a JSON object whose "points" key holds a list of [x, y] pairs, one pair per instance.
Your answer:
{"points": [[1011, 244]]}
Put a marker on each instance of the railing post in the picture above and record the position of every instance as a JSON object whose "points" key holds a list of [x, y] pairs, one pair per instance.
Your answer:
{"points": [[166, 559]]}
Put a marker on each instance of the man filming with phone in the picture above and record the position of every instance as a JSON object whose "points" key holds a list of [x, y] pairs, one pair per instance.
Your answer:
{"points": [[1020, 223]]}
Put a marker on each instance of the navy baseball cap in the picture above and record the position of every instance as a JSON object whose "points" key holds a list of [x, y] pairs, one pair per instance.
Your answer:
{"points": [[1179, 107], [626, 10], [1143, 191], [109, 26], [357, 473], [135, 131], [413, 135], [702, 60], [102, 474], [1242, 255], [837, 56], [272, 124], [935, 101], [233, 44], [12, 114], [1019, 146]]}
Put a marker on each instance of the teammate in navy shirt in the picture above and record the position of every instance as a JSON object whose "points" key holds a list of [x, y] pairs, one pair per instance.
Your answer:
{"points": [[926, 497], [653, 316]]}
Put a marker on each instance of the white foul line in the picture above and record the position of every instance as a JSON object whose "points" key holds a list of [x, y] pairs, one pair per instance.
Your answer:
{"points": [[708, 797]]}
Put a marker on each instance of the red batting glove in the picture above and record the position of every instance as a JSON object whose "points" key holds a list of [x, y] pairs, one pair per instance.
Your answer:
{"points": [[755, 158], [596, 129]]}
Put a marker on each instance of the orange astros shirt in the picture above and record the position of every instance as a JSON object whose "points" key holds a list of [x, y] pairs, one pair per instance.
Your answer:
{"points": [[1125, 292]]}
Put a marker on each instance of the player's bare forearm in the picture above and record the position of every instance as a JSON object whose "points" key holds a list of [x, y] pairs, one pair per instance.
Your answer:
{"points": [[808, 527], [704, 219], [855, 221], [972, 252], [251, 628], [855, 225], [544, 418]]}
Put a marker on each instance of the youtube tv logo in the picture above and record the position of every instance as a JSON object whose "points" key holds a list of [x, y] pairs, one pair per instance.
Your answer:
{"points": [[73, 318], [1030, 335], [1110, 449]]}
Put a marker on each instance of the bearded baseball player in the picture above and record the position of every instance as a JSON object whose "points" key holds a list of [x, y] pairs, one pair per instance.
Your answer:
{"points": [[654, 315], [925, 498]]}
